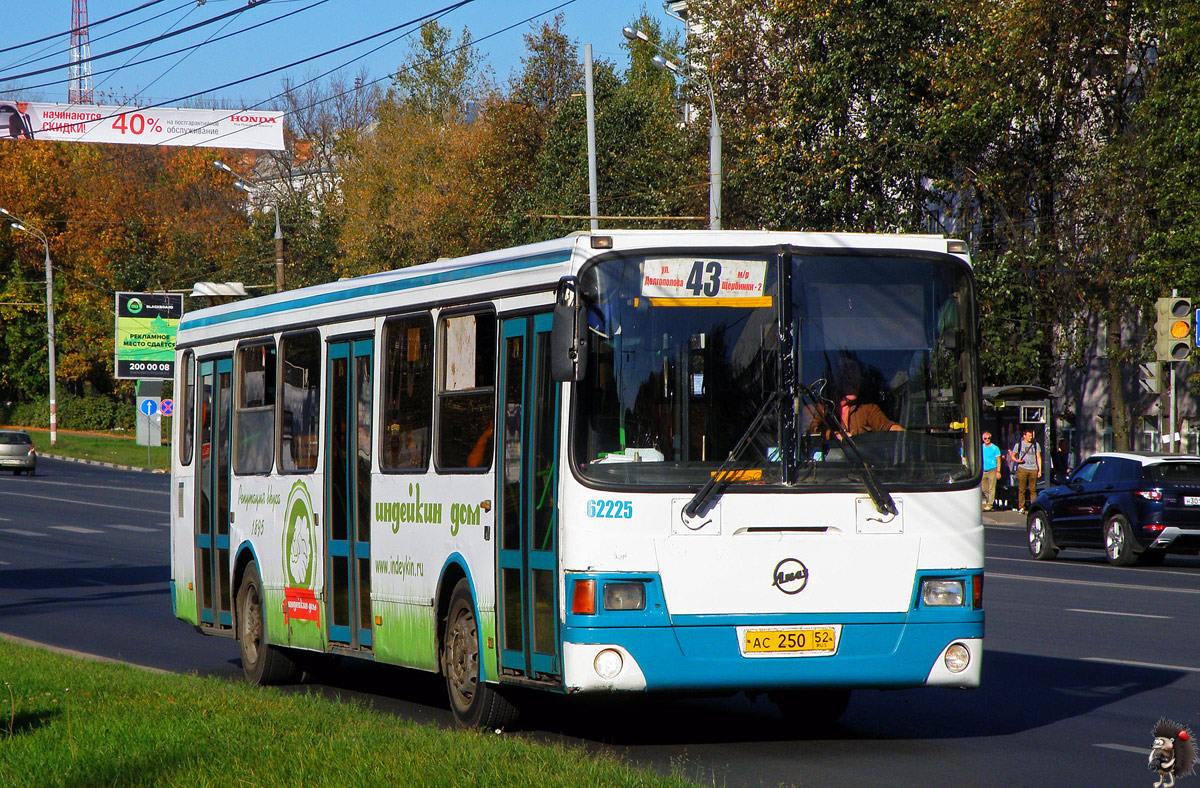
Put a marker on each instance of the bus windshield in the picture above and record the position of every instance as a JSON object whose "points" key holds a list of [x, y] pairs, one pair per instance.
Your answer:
{"points": [[874, 365]]}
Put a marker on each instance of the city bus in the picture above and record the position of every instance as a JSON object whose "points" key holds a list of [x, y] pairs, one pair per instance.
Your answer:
{"points": [[609, 463]]}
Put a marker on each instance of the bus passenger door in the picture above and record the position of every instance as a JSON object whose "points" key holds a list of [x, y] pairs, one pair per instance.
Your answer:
{"points": [[348, 492], [212, 490], [528, 512]]}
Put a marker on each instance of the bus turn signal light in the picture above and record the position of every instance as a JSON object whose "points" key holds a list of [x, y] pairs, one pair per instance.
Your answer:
{"points": [[583, 598]]}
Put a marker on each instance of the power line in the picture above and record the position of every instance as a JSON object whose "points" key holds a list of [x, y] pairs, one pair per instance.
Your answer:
{"points": [[118, 51], [188, 49], [435, 14], [76, 30], [33, 59]]}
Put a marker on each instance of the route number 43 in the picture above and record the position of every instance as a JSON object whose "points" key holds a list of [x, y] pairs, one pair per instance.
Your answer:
{"points": [[705, 279]]}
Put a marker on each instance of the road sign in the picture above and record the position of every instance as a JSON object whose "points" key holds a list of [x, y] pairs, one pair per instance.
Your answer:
{"points": [[167, 407], [148, 406]]}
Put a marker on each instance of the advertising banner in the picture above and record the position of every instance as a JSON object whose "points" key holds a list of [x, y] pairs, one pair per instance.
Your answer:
{"points": [[146, 328], [252, 129]]}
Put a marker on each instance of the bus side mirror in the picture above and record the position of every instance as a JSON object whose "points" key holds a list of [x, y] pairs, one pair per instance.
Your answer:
{"points": [[568, 336]]}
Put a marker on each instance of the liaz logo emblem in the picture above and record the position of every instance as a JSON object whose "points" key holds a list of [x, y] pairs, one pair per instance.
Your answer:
{"points": [[790, 576]]}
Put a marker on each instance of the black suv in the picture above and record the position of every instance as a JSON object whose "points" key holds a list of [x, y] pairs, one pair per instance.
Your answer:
{"points": [[1137, 506]]}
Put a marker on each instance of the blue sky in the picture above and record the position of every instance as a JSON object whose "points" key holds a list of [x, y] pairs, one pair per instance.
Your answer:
{"points": [[308, 32]]}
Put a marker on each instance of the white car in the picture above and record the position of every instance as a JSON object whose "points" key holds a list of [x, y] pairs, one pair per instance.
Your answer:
{"points": [[17, 452]]}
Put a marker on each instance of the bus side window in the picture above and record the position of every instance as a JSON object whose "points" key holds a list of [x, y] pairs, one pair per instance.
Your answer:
{"points": [[407, 394], [187, 375], [467, 392], [300, 401], [254, 426]]}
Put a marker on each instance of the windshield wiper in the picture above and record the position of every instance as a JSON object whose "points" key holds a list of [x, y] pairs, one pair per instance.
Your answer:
{"points": [[700, 502], [880, 496]]}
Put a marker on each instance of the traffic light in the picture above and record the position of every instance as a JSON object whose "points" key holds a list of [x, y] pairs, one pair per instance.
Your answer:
{"points": [[1173, 329]]}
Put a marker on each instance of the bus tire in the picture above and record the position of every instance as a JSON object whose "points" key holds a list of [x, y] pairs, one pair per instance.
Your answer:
{"points": [[474, 702], [262, 663], [811, 709]]}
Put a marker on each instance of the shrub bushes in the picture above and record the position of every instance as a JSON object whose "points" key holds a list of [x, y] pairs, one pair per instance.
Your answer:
{"points": [[88, 414]]}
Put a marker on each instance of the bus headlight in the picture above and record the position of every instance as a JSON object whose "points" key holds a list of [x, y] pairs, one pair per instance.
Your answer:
{"points": [[942, 593], [958, 657], [608, 664], [624, 596]]}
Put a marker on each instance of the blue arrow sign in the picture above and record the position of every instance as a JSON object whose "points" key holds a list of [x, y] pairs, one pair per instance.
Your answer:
{"points": [[149, 407]]}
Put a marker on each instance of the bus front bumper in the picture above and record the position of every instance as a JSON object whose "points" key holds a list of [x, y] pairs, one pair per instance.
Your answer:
{"points": [[709, 658]]}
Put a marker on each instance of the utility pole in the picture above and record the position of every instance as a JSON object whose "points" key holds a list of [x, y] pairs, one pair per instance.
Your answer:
{"points": [[593, 196]]}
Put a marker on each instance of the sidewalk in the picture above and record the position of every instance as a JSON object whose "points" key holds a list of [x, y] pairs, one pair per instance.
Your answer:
{"points": [[1008, 519]]}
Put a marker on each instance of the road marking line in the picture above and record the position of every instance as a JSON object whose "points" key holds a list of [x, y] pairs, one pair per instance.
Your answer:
{"points": [[78, 486], [75, 529], [84, 503], [137, 528], [1098, 564], [1116, 613], [1125, 748], [1122, 586], [20, 532], [1135, 664]]}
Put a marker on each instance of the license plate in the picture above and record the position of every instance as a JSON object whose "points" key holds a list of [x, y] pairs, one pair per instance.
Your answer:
{"points": [[789, 640], [1191, 500]]}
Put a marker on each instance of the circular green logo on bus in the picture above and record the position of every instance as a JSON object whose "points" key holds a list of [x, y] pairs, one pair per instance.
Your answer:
{"points": [[299, 537]]}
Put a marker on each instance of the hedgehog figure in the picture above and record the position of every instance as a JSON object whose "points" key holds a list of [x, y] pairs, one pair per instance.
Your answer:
{"points": [[1173, 753]]}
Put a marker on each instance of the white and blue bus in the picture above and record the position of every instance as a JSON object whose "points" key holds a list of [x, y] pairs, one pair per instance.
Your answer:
{"points": [[615, 462]]}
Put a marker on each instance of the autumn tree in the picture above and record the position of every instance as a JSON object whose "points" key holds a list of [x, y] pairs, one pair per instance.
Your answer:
{"points": [[409, 190], [116, 218]]}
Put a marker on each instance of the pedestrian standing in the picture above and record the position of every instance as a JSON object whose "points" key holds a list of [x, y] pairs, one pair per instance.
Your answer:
{"points": [[991, 470], [1060, 460], [1026, 457]]}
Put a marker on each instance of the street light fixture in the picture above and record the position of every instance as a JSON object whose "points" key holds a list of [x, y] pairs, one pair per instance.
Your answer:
{"points": [[688, 73], [29, 229], [253, 189]]}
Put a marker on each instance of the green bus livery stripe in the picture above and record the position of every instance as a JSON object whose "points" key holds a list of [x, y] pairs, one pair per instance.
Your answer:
{"points": [[381, 288]]}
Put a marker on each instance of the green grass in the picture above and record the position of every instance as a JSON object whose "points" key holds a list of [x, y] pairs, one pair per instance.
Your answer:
{"points": [[103, 448], [66, 722]]}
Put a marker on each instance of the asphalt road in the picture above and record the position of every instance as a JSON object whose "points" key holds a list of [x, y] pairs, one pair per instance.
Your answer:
{"points": [[1081, 659]]}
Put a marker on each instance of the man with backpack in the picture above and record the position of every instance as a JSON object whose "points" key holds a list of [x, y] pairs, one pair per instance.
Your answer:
{"points": [[1026, 457]]}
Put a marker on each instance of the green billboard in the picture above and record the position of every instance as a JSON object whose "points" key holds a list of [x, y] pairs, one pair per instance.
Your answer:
{"points": [[145, 341]]}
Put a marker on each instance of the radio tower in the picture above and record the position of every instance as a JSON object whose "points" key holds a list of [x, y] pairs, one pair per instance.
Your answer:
{"points": [[79, 89]]}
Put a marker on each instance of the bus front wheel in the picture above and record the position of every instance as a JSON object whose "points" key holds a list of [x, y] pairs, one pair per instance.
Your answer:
{"points": [[474, 702], [261, 662]]}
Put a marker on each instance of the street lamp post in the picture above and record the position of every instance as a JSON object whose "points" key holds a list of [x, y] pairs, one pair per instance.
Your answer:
{"points": [[253, 188], [689, 74], [29, 229]]}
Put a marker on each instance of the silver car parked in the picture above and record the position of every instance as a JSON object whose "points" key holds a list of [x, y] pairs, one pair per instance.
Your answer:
{"points": [[17, 452]]}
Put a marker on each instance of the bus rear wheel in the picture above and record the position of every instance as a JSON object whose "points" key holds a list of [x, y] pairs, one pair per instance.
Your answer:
{"points": [[262, 663], [474, 702]]}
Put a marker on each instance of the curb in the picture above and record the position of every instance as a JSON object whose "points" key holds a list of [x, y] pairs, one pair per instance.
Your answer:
{"points": [[112, 465], [77, 654]]}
